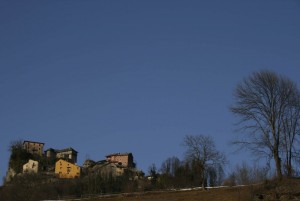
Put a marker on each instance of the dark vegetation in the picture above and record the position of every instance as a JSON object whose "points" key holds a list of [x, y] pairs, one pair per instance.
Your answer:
{"points": [[31, 187]]}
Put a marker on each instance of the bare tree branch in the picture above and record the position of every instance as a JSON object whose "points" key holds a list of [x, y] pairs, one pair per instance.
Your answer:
{"points": [[268, 106]]}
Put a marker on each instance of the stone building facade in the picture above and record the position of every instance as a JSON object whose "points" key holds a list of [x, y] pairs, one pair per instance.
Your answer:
{"points": [[68, 154], [31, 167], [125, 159], [34, 147]]}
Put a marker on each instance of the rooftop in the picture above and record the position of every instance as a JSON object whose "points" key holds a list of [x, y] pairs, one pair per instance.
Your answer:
{"points": [[62, 150], [119, 154], [33, 142]]}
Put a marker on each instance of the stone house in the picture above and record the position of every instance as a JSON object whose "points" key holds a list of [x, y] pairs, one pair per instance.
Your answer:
{"points": [[50, 153], [31, 167], [88, 163], [68, 154], [124, 159], [34, 147]]}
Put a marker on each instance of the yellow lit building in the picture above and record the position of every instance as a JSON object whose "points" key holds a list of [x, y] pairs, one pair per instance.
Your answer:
{"points": [[65, 169]]}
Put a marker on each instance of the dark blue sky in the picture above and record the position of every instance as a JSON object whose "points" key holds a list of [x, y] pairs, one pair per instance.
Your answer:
{"points": [[135, 76]]}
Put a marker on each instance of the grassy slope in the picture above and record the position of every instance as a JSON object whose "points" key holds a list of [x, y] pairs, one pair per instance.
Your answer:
{"points": [[285, 190]]}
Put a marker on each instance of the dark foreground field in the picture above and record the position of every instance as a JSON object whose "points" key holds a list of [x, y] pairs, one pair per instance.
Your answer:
{"points": [[216, 195], [283, 191]]}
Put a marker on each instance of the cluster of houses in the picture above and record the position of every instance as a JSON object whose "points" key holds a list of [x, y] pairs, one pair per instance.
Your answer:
{"points": [[66, 161]]}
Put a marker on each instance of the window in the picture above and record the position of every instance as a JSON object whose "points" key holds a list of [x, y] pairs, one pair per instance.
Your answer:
{"points": [[68, 170]]}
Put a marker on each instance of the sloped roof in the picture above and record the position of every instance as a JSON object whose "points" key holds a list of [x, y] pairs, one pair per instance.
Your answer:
{"points": [[66, 149], [62, 150], [119, 154]]}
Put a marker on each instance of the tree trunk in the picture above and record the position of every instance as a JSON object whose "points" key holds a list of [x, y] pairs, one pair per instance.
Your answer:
{"points": [[289, 164], [203, 180], [278, 164]]}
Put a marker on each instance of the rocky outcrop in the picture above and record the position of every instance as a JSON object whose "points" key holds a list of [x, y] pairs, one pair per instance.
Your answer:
{"points": [[10, 174]]}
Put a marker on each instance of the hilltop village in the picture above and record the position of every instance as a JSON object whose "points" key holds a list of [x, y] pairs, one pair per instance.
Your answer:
{"points": [[30, 157]]}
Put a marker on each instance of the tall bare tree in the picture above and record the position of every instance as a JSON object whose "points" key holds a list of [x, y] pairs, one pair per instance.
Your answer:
{"points": [[291, 129], [201, 150], [266, 103]]}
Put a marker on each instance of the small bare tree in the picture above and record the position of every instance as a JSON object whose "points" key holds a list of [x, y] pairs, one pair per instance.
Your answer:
{"points": [[170, 165], [244, 174], [202, 151], [268, 107]]}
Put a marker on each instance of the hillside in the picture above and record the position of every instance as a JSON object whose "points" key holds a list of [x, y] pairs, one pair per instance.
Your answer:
{"points": [[288, 189]]}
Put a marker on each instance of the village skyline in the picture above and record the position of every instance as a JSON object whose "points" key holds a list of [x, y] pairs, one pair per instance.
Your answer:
{"points": [[29, 157]]}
